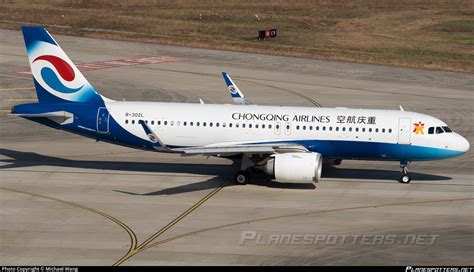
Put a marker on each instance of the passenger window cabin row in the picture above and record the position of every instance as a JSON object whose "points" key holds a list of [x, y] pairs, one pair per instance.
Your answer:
{"points": [[262, 126]]}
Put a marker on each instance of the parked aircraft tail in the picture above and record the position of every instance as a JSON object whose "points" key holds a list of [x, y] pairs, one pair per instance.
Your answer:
{"points": [[56, 78]]}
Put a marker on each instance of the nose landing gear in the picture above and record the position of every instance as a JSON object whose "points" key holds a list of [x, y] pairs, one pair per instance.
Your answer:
{"points": [[404, 178]]}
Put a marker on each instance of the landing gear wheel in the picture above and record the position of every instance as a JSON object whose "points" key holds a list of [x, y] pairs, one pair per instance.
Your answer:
{"points": [[405, 179], [241, 178]]}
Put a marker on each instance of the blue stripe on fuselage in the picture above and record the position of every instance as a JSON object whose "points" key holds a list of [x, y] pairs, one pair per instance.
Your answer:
{"points": [[374, 150]]}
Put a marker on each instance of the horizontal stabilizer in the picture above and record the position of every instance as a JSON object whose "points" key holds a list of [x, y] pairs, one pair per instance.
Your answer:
{"points": [[60, 117]]}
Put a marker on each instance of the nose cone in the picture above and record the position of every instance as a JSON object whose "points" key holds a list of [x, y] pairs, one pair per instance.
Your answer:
{"points": [[462, 144], [465, 145]]}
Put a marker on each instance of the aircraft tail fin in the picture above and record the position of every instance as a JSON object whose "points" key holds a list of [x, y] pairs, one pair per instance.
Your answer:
{"points": [[56, 78]]}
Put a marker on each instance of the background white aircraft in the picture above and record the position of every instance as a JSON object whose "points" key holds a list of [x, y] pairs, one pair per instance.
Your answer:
{"points": [[288, 143]]}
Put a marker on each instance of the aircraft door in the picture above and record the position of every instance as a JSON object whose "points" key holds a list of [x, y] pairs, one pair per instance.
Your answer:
{"points": [[404, 133], [103, 120]]}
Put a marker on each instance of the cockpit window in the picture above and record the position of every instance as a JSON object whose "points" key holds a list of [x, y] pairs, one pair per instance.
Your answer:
{"points": [[447, 130], [439, 130]]}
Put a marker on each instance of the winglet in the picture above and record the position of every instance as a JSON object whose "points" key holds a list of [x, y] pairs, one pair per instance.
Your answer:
{"points": [[153, 137], [234, 91]]}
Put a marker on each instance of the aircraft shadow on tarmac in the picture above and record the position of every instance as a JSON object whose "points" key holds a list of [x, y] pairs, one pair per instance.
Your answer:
{"points": [[19, 159], [217, 181], [25, 159], [372, 174]]}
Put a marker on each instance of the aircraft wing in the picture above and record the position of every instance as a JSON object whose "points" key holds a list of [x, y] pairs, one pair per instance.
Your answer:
{"points": [[223, 149], [226, 150], [234, 91]]}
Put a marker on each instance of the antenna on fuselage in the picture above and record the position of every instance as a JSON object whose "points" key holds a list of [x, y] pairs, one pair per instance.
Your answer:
{"points": [[401, 108]]}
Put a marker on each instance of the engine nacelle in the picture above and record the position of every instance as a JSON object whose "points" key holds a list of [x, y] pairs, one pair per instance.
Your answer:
{"points": [[295, 167]]}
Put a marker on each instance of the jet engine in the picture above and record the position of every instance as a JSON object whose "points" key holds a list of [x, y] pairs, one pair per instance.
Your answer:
{"points": [[295, 167]]}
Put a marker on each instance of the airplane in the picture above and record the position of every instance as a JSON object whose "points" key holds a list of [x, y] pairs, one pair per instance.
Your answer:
{"points": [[286, 143]]}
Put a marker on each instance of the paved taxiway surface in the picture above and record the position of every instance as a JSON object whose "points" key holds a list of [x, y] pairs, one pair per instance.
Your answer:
{"points": [[68, 200]]}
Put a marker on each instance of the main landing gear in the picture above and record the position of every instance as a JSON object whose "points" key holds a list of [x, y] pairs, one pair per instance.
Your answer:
{"points": [[242, 177], [246, 170], [404, 178]]}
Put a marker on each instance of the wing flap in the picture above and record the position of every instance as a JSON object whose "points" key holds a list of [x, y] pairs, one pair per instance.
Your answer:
{"points": [[226, 150]]}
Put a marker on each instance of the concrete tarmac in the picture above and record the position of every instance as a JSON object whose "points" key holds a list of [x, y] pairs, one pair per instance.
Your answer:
{"points": [[67, 200]]}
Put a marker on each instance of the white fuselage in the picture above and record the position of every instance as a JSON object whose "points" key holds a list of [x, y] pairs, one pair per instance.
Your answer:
{"points": [[184, 125]]}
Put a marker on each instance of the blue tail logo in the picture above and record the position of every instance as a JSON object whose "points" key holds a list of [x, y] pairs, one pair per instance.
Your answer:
{"points": [[64, 70], [57, 79], [232, 90]]}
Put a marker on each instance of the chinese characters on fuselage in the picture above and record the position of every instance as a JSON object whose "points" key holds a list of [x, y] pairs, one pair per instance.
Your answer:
{"points": [[340, 119]]}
